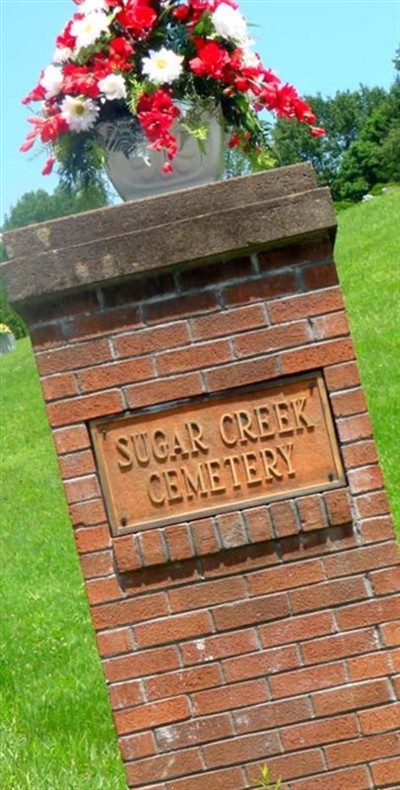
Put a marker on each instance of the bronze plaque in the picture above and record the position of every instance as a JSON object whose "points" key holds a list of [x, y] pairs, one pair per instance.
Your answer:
{"points": [[248, 446]]}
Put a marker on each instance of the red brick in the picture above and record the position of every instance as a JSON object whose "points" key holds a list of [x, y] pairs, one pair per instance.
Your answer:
{"points": [[374, 504], [319, 275], [129, 611], [102, 323], [318, 651], [207, 594], [86, 408], [338, 506], [267, 287], [115, 374], [205, 537], [44, 337], [272, 715], [126, 551], [87, 513], [204, 275], [60, 306], [284, 518], [386, 772], [317, 355], [147, 341], [185, 681], [266, 340], [68, 440], [343, 376], [361, 559], [73, 357], [231, 529], [262, 663], [356, 778], [162, 390], [180, 307], [114, 642], [351, 697], [138, 665], [82, 488], [375, 530], [370, 666], [291, 254], [220, 646], [194, 357], [313, 733], [143, 717], [297, 629], [386, 717], [92, 539], [218, 780], [258, 610], [240, 560], [61, 385], [98, 564], [391, 634], [173, 629], [327, 594], [138, 289], [311, 513], [331, 325], [103, 590], [152, 547], [238, 695], [160, 577], [362, 750], [228, 322], [125, 695], [360, 454], [299, 306], [178, 736], [75, 464], [241, 373], [258, 524], [179, 542], [354, 428], [368, 478], [241, 749], [367, 613], [348, 402], [308, 679], [285, 577], [135, 746]]}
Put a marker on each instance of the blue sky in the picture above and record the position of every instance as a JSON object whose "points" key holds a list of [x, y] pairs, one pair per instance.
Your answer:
{"points": [[317, 45]]}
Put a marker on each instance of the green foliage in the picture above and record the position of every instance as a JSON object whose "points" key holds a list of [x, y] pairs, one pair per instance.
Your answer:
{"points": [[265, 781], [362, 144]]}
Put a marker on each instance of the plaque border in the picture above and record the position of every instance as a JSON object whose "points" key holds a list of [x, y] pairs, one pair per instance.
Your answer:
{"points": [[106, 492]]}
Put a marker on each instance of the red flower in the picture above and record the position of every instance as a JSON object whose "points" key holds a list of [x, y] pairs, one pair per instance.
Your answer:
{"points": [[80, 80], [48, 166], [167, 168], [317, 131], [139, 17], [37, 94], [211, 60], [156, 114], [66, 39]]}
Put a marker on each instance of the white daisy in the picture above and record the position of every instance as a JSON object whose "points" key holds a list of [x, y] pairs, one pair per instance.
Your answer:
{"points": [[162, 66], [88, 29], [52, 81], [113, 86], [80, 114], [230, 24]]}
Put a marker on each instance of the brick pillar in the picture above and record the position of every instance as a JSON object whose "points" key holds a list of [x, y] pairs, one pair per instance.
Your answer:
{"points": [[244, 609]]}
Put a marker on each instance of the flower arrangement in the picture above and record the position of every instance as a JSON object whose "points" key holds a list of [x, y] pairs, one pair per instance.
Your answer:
{"points": [[151, 60]]}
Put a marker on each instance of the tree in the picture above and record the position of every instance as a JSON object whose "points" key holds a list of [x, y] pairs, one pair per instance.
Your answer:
{"points": [[40, 206]]}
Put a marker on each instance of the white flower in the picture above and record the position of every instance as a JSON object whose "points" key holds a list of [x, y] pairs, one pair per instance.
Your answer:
{"points": [[61, 54], [162, 66], [250, 59], [88, 6], [52, 81], [80, 114], [88, 29], [230, 23], [113, 87]]}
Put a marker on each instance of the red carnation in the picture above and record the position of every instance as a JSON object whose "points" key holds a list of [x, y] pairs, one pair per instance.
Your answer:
{"points": [[211, 60], [138, 17], [80, 80]]}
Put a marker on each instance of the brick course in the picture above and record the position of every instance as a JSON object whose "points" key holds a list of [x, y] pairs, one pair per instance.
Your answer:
{"points": [[260, 635]]}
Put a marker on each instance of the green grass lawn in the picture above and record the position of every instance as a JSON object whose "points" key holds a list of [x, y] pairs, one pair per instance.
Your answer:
{"points": [[57, 732]]}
